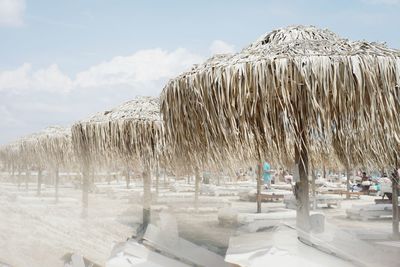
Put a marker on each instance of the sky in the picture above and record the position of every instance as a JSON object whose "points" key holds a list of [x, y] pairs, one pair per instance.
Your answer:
{"points": [[62, 61]]}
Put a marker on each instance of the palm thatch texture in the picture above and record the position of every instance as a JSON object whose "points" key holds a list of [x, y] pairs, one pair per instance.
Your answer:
{"points": [[10, 156], [50, 148], [294, 94], [132, 131]]}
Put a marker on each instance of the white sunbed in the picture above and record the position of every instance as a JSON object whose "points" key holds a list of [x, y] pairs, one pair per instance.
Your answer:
{"points": [[278, 248], [325, 199], [369, 211]]}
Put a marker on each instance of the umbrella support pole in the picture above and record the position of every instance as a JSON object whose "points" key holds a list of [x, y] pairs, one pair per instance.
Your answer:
{"points": [[127, 178], [313, 188], [12, 172], [157, 179], [85, 190], [27, 177], [197, 188], [39, 182], [302, 187], [146, 198], [259, 184], [348, 173], [395, 204], [19, 177], [57, 181]]}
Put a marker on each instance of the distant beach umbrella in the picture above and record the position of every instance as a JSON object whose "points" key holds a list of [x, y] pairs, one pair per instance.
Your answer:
{"points": [[132, 131]]}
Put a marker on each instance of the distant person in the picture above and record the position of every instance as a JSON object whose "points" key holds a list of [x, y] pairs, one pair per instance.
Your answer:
{"points": [[288, 177], [267, 174], [385, 184], [364, 177], [365, 182]]}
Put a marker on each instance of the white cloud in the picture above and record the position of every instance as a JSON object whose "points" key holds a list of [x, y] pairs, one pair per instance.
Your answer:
{"points": [[145, 68], [221, 47], [7, 118], [15, 79], [22, 79], [51, 79], [12, 13], [142, 66]]}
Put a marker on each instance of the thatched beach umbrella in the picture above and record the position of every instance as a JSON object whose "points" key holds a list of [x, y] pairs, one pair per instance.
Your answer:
{"points": [[288, 93], [10, 156], [132, 131], [51, 148]]}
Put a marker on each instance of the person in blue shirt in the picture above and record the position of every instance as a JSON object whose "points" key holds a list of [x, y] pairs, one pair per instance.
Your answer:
{"points": [[267, 177]]}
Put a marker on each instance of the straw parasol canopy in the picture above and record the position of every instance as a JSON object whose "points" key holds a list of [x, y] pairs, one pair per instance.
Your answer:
{"points": [[51, 146], [291, 93], [257, 94], [10, 155], [131, 131]]}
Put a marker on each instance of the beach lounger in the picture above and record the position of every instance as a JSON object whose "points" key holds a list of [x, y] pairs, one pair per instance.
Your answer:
{"points": [[369, 211], [325, 199]]}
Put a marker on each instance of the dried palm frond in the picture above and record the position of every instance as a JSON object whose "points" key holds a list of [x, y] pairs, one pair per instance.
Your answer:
{"points": [[296, 85], [10, 154], [132, 132], [51, 146]]}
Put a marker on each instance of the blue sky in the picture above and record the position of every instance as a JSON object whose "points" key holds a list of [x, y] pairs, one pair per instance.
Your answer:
{"points": [[64, 60]]}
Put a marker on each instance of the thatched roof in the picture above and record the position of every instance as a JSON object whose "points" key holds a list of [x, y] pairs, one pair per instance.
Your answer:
{"points": [[10, 153], [345, 95], [49, 147], [132, 131]]}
